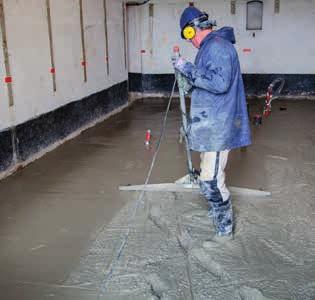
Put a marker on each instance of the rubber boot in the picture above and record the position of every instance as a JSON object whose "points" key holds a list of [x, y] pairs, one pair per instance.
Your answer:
{"points": [[222, 211], [204, 187]]}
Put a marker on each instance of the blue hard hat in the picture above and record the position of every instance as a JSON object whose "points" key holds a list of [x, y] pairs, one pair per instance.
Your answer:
{"points": [[189, 14]]}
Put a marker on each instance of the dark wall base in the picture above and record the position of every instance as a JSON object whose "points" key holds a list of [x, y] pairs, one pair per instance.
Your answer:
{"points": [[257, 84], [37, 134], [6, 150], [150, 82], [295, 84]]}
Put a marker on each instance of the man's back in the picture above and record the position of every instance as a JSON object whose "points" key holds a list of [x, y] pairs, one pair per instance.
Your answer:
{"points": [[219, 119]]}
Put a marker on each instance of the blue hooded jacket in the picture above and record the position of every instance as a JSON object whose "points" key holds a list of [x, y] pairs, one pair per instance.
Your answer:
{"points": [[219, 118]]}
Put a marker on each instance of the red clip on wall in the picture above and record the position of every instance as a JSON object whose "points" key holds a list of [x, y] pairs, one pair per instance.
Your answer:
{"points": [[8, 79]]}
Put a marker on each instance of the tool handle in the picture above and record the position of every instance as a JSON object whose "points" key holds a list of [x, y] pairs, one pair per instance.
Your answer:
{"points": [[176, 51], [181, 84]]}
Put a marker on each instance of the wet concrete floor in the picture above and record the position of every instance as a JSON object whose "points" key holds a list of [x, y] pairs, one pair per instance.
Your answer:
{"points": [[52, 210]]}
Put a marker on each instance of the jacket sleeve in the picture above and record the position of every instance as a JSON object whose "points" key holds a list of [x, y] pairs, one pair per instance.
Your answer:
{"points": [[215, 75]]}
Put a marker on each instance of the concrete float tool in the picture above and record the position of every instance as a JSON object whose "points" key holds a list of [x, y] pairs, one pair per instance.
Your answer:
{"points": [[188, 183]]}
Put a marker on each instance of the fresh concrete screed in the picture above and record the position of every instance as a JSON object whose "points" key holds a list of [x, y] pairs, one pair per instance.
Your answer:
{"points": [[63, 219], [63, 227]]}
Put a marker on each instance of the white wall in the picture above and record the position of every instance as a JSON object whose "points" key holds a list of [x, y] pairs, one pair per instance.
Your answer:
{"points": [[285, 45], [134, 38], [28, 45]]}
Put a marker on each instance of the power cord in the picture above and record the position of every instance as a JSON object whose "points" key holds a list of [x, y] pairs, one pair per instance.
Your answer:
{"points": [[115, 260]]}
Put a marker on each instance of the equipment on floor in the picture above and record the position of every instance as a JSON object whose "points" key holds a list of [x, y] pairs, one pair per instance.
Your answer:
{"points": [[257, 119], [188, 183], [147, 141], [271, 95]]}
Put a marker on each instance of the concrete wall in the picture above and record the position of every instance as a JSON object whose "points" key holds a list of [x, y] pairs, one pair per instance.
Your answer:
{"points": [[135, 36], [284, 46], [43, 116], [28, 47]]}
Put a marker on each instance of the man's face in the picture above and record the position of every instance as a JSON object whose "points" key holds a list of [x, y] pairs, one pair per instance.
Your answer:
{"points": [[195, 42], [200, 35]]}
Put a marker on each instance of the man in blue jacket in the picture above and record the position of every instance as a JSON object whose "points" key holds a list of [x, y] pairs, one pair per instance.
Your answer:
{"points": [[219, 118]]}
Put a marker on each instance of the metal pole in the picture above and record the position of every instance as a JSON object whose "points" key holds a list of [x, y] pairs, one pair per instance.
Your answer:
{"points": [[184, 129]]}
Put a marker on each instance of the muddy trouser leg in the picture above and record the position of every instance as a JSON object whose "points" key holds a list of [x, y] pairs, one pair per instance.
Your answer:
{"points": [[212, 185]]}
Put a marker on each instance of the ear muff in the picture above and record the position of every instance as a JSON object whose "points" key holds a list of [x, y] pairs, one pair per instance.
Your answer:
{"points": [[189, 32]]}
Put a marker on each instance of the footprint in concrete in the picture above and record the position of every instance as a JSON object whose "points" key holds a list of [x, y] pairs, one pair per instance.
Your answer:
{"points": [[161, 286], [207, 260], [307, 292], [198, 216], [249, 293], [155, 215], [218, 241], [184, 238]]}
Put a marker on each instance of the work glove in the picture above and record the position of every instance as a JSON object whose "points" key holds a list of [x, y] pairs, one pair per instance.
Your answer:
{"points": [[185, 85], [179, 64]]}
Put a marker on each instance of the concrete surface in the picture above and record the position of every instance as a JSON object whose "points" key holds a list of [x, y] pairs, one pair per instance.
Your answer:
{"points": [[63, 220]]}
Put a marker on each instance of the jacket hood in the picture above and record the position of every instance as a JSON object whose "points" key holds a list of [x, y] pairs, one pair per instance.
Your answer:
{"points": [[226, 33]]}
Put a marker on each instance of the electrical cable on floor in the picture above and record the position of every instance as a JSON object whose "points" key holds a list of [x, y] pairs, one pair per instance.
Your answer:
{"points": [[139, 200]]}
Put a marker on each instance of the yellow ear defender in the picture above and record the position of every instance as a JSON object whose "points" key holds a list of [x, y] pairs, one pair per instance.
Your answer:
{"points": [[189, 32]]}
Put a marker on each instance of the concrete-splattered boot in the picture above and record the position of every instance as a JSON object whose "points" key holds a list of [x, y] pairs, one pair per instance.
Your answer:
{"points": [[223, 218], [221, 211], [205, 190]]}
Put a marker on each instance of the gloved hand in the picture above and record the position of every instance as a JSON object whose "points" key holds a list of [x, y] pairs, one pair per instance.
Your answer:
{"points": [[186, 86], [179, 64]]}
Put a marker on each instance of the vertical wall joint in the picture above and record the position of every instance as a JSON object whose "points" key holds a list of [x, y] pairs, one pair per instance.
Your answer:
{"points": [[151, 26], [277, 6], [233, 7], [124, 31], [83, 41], [106, 36], [8, 78], [51, 46]]}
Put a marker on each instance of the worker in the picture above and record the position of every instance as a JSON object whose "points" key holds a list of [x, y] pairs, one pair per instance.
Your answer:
{"points": [[218, 115]]}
